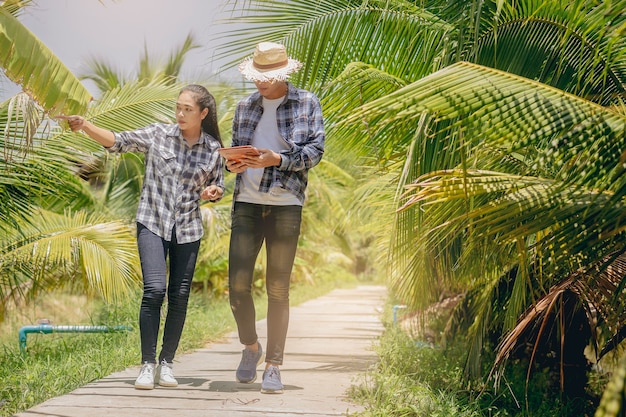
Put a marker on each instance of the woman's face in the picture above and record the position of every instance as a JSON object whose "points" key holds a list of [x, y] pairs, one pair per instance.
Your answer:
{"points": [[188, 114]]}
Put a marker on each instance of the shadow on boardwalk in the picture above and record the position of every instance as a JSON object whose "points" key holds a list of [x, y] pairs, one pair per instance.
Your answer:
{"points": [[329, 344]]}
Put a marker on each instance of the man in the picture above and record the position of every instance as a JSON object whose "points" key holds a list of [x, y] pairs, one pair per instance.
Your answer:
{"points": [[285, 125]]}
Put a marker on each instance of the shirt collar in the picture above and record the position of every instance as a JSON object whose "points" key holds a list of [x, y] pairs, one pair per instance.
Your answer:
{"points": [[174, 131]]}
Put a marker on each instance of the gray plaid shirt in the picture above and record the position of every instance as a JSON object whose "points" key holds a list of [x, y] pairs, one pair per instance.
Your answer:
{"points": [[300, 124], [175, 175]]}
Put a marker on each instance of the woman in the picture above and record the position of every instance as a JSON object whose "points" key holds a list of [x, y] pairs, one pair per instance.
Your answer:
{"points": [[182, 166]]}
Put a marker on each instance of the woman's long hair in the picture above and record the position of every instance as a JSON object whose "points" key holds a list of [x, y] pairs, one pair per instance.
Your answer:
{"points": [[205, 100]]}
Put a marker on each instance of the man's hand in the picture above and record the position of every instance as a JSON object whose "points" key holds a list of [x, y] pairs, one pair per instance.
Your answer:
{"points": [[235, 165], [266, 158]]}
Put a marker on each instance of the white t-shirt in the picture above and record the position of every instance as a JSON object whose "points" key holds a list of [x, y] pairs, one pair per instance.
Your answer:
{"points": [[266, 136]]}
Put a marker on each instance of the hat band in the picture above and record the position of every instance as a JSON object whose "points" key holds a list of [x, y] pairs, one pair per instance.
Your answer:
{"points": [[270, 66]]}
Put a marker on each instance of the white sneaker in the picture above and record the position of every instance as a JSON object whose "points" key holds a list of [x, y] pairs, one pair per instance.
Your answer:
{"points": [[166, 375], [145, 380]]}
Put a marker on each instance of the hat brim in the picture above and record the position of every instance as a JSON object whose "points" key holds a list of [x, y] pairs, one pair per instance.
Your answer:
{"points": [[248, 70]]}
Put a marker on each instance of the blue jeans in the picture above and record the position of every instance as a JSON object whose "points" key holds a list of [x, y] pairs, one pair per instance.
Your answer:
{"points": [[279, 227], [153, 252]]}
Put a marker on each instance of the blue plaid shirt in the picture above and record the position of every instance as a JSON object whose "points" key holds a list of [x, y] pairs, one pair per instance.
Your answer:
{"points": [[175, 175], [300, 124]]}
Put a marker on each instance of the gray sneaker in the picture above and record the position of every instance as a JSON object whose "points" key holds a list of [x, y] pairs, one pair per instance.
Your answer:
{"points": [[246, 371], [166, 375], [271, 381], [145, 380]]}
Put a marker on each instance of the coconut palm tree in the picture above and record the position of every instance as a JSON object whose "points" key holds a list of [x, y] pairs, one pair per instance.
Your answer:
{"points": [[107, 78], [500, 127], [75, 175], [34, 170], [533, 214], [28, 62], [72, 231], [67, 207]]}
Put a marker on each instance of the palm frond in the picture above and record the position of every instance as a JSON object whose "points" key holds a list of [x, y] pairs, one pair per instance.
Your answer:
{"points": [[328, 35], [136, 104], [16, 7], [577, 48], [74, 246], [176, 59], [596, 293], [40, 73], [103, 75], [33, 168]]}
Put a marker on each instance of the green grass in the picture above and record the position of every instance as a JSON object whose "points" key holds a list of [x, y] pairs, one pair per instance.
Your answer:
{"points": [[413, 379], [55, 364]]}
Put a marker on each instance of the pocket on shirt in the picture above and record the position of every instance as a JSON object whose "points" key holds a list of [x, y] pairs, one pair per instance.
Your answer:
{"points": [[201, 175], [300, 132], [165, 162]]}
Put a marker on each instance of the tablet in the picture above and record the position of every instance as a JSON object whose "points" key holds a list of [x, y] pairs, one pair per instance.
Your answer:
{"points": [[237, 152]]}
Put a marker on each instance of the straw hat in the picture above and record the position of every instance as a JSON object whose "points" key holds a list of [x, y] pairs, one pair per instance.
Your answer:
{"points": [[269, 63]]}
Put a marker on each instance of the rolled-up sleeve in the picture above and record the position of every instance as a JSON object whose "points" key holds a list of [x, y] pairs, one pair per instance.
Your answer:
{"points": [[309, 137], [138, 140]]}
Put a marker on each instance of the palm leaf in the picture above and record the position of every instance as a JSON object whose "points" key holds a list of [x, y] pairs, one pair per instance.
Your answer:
{"points": [[328, 35], [40, 73], [65, 248], [577, 48], [133, 105], [33, 168], [595, 292]]}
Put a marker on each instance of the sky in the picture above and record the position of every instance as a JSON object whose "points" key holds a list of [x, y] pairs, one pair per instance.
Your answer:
{"points": [[116, 31]]}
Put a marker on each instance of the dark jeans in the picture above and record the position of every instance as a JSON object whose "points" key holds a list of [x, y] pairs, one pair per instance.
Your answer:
{"points": [[279, 227], [153, 253]]}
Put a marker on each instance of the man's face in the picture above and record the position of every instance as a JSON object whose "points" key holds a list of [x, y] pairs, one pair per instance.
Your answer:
{"points": [[271, 89]]}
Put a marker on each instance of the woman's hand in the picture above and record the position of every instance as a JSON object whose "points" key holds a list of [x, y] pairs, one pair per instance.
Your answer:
{"points": [[103, 136], [75, 122], [212, 193]]}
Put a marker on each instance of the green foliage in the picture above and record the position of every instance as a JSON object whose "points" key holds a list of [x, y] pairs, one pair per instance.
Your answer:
{"points": [[419, 380], [57, 366], [27, 61], [412, 379], [612, 402], [53, 250], [494, 124], [537, 394]]}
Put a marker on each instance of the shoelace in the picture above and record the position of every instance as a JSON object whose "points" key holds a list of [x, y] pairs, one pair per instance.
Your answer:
{"points": [[273, 372], [166, 370], [147, 370]]}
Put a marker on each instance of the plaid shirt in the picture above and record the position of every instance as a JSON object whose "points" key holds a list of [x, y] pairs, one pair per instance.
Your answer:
{"points": [[175, 175], [300, 124]]}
